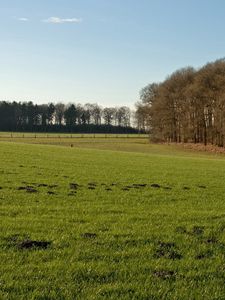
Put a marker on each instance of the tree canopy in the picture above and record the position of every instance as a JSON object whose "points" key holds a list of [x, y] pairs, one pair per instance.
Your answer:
{"points": [[27, 116], [189, 106]]}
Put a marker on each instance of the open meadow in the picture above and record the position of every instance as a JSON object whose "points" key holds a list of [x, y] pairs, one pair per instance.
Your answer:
{"points": [[109, 217]]}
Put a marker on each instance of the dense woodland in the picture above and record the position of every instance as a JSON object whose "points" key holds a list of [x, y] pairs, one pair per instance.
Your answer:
{"points": [[27, 116], [189, 106]]}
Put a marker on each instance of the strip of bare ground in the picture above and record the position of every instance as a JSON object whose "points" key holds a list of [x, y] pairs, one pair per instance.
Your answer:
{"points": [[200, 147]]}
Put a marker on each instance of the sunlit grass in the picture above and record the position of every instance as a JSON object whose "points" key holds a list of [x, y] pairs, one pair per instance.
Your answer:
{"points": [[120, 225]]}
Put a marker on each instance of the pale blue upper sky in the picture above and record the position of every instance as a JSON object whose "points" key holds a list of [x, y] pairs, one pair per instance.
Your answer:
{"points": [[102, 51]]}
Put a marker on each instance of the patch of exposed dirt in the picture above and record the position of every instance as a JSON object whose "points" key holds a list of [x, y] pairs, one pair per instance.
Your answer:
{"points": [[197, 230], [186, 188], [32, 244], [74, 186], [164, 274], [92, 183], [52, 186], [167, 250], [28, 189], [51, 193], [24, 242], [202, 186], [89, 235], [155, 185], [42, 185], [181, 229]]}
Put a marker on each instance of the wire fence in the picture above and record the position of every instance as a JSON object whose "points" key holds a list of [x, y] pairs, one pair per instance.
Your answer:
{"points": [[68, 136]]}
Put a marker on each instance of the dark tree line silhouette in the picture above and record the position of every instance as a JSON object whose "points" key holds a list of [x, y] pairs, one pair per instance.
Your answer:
{"points": [[189, 106], [27, 116]]}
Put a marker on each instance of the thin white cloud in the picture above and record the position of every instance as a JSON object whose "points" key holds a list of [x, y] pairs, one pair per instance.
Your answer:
{"points": [[57, 20], [23, 19]]}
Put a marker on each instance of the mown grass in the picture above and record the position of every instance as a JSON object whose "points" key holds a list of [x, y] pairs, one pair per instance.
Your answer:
{"points": [[120, 225]]}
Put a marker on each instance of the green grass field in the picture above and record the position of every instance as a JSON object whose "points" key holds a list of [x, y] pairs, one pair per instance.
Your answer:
{"points": [[110, 219]]}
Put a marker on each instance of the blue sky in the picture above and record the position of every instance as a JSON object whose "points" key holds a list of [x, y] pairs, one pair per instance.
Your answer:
{"points": [[102, 51]]}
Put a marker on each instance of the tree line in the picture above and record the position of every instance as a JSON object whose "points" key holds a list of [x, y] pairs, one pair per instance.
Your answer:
{"points": [[189, 106], [60, 117]]}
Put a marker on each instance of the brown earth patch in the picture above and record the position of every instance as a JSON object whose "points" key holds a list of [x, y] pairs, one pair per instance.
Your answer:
{"points": [[164, 274], [28, 189], [89, 235], [32, 244], [155, 185]]}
